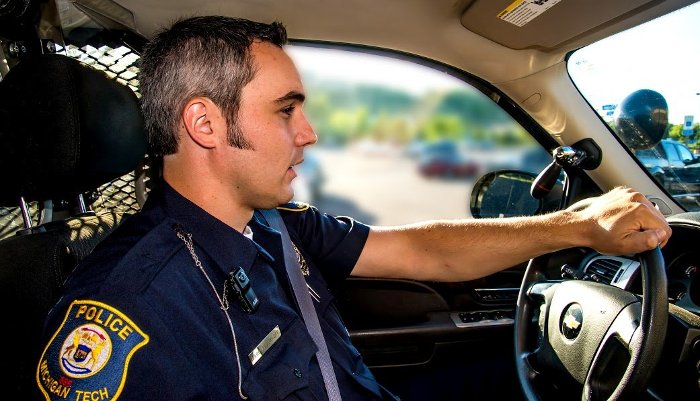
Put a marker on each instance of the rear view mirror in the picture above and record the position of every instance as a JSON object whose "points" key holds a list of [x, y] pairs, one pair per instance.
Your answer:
{"points": [[504, 193]]}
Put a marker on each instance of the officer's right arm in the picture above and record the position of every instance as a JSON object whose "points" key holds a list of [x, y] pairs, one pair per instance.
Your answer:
{"points": [[619, 222]]}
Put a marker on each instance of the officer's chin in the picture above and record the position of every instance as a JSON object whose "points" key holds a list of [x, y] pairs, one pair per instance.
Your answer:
{"points": [[273, 200], [286, 198]]}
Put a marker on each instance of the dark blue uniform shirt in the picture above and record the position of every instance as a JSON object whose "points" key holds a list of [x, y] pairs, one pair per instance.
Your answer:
{"points": [[140, 321]]}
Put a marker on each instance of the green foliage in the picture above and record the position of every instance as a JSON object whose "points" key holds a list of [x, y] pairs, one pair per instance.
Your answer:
{"points": [[441, 126], [342, 114], [675, 132], [474, 107], [387, 100]]}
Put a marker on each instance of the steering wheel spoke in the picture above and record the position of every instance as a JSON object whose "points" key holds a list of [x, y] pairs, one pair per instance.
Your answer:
{"points": [[613, 356], [531, 360], [539, 291], [625, 324]]}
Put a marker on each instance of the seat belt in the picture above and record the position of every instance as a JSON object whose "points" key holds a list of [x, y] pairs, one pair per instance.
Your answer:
{"points": [[306, 306]]}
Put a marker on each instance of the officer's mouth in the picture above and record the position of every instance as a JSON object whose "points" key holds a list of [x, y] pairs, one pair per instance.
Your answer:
{"points": [[296, 164], [291, 168]]}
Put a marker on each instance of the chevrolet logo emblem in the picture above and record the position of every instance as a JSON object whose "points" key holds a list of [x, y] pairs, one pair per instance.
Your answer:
{"points": [[571, 321]]}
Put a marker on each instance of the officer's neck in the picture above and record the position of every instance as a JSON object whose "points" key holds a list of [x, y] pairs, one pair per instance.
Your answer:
{"points": [[205, 195]]}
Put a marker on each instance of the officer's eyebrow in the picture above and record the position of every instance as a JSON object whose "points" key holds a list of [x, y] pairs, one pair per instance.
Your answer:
{"points": [[291, 95]]}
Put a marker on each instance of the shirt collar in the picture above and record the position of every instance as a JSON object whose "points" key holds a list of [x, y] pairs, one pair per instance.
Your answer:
{"points": [[226, 246], [270, 240]]}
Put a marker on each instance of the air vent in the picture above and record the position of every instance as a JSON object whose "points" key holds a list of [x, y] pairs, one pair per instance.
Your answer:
{"points": [[604, 270]]}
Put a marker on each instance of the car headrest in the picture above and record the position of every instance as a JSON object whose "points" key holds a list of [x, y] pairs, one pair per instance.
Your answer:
{"points": [[64, 129]]}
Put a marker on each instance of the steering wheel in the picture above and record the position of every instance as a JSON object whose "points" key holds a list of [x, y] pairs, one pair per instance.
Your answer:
{"points": [[599, 335]]}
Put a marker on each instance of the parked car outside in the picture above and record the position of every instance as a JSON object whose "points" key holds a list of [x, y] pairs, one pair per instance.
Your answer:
{"points": [[674, 166], [444, 159]]}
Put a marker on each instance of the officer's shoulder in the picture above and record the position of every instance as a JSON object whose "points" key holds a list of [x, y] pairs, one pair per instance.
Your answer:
{"points": [[155, 247], [294, 207], [132, 237], [122, 259]]}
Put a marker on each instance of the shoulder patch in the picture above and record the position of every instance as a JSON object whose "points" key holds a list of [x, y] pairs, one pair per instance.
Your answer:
{"points": [[294, 207], [88, 356]]}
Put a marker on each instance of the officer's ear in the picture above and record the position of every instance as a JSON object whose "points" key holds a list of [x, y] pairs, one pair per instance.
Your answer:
{"points": [[203, 122]]}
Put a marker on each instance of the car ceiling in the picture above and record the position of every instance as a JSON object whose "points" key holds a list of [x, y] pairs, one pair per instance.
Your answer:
{"points": [[466, 34]]}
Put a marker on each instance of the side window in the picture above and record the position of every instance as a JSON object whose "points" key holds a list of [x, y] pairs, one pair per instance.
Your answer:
{"points": [[400, 142], [684, 153], [671, 152]]}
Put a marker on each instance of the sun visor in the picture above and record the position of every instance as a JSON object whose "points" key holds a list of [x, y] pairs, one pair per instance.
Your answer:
{"points": [[544, 24]]}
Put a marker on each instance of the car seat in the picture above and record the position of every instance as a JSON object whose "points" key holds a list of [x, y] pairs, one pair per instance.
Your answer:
{"points": [[65, 129]]}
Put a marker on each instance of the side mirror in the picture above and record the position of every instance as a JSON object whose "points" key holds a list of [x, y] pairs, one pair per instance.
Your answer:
{"points": [[689, 162], [504, 193]]}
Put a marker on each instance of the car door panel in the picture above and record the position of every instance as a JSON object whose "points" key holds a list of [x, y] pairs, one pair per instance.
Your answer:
{"points": [[408, 334]]}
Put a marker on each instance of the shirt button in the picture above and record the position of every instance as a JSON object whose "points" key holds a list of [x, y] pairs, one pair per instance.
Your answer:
{"points": [[297, 373]]}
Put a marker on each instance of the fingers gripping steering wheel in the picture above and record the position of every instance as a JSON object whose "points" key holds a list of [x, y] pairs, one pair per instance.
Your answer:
{"points": [[601, 336]]}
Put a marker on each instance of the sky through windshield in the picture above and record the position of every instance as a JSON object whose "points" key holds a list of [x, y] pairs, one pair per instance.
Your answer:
{"points": [[662, 55]]}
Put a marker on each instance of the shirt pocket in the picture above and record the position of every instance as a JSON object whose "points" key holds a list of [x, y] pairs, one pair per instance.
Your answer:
{"points": [[283, 372]]}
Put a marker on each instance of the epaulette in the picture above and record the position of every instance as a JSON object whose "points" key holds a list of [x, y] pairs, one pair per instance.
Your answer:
{"points": [[294, 206]]}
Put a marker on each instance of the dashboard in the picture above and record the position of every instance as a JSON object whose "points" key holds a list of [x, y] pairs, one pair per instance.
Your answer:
{"points": [[681, 256]]}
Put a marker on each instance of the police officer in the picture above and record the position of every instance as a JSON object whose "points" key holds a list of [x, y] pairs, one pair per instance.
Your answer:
{"points": [[152, 313]]}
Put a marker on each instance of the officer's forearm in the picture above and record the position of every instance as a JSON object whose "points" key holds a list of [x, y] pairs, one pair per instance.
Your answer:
{"points": [[621, 221], [457, 250]]}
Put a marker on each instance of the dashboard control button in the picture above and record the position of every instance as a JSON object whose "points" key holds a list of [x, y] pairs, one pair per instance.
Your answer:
{"points": [[569, 272]]}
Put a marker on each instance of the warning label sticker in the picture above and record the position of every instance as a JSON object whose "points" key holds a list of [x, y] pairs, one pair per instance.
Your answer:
{"points": [[520, 12]]}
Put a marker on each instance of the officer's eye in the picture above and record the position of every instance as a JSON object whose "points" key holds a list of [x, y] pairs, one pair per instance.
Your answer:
{"points": [[288, 110]]}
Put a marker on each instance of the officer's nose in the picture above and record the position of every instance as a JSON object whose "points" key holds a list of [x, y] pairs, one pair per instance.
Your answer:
{"points": [[305, 134]]}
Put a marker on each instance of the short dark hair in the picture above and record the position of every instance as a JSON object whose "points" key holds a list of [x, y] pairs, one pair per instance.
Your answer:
{"points": [[200, 56]]}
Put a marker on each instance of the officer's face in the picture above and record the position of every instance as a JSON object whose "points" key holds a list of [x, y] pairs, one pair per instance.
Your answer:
{"points": [[273, 122]]}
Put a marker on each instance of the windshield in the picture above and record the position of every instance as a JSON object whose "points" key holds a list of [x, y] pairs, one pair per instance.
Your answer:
{"points": [[645, 84]]}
